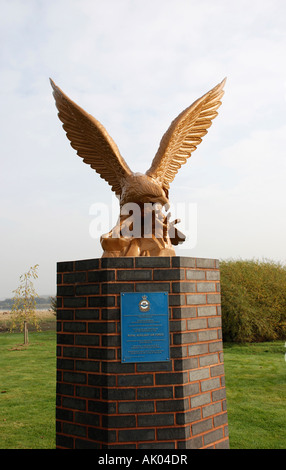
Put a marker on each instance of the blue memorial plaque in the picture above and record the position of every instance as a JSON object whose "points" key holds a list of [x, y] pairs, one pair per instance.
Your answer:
{"points": [[145, 327]]}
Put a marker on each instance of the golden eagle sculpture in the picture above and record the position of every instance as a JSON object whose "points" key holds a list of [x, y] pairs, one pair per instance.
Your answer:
{"points": [[143, 227]]}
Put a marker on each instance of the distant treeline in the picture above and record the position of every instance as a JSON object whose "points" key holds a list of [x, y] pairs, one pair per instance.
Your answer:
{"points": [[43, 302], [253, 301]]}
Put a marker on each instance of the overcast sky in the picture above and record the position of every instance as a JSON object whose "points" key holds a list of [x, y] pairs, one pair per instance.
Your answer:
{"points": [[135, 66]]}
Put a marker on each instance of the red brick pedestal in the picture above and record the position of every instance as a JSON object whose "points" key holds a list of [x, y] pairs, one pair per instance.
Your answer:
{"points": [[103, 403]]}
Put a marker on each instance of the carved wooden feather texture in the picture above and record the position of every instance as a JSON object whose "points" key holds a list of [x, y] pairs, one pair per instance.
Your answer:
{"points": [[95, 146], [184, 135], [91, 141]]}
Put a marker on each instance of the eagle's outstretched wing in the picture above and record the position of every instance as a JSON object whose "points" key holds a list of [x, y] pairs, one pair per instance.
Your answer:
{"points": [[184, 135], [91, 141]]}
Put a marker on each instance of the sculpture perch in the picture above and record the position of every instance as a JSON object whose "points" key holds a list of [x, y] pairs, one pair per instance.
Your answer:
{"points": [[148, 231]]}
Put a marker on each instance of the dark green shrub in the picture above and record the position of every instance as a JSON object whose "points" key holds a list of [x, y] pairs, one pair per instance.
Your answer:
{"points": [[253, 297]]}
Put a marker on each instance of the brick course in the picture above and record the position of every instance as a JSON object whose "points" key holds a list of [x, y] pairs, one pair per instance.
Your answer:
{"points": [[103, 403]]}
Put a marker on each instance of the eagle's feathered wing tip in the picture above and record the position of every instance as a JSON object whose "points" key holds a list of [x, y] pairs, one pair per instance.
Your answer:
{"points": [[184, 135]]}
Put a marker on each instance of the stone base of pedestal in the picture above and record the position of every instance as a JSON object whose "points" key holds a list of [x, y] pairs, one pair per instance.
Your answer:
{"points": [[103, 403]]}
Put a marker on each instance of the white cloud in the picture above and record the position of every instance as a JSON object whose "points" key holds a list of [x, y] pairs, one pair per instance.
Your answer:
{"points": [[243, 216], [135, 66]]}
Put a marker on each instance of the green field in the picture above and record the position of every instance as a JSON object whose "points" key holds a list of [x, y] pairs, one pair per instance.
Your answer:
{"points": [[255, 384], [256, 395], [27, 391]]}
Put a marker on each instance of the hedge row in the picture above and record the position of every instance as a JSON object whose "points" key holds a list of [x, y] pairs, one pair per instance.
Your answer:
{"points": [[253, 296]]}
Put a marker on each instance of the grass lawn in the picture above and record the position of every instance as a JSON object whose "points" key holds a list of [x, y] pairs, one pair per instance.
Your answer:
{"points": [[27, 391], [255, 384], [256, 395]]}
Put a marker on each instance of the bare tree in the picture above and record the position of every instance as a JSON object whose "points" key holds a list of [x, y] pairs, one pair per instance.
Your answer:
{"points": [[24, 303]]}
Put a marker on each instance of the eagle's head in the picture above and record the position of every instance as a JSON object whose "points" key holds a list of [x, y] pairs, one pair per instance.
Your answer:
{"points": [[141, 188]]}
